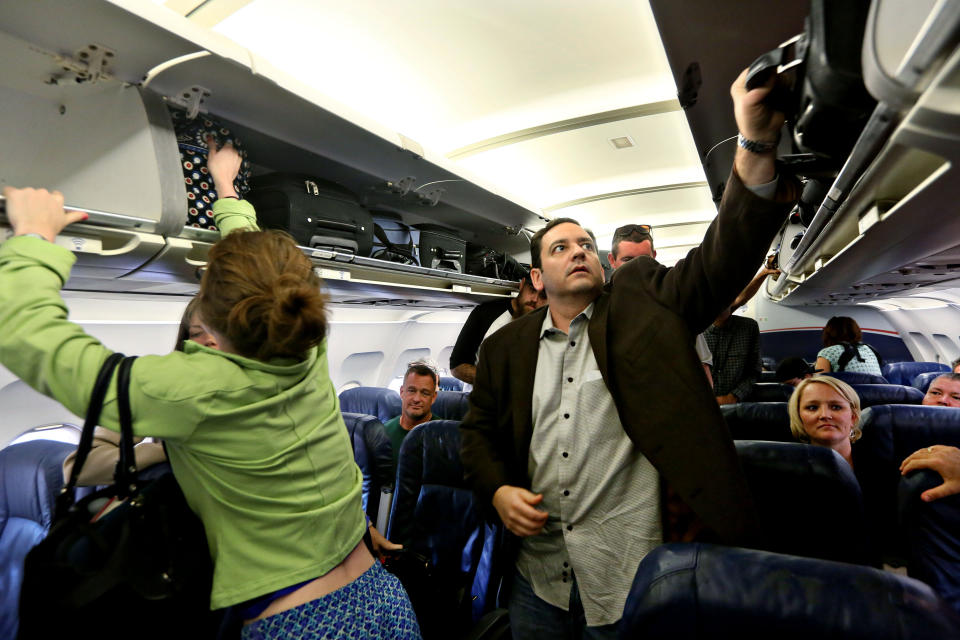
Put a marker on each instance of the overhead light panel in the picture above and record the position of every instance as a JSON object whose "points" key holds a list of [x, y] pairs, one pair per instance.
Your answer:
{"points": [[623, 142]]}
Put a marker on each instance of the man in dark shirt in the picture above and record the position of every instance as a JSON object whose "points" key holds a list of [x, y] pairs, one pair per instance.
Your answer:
{"points": [[417, 394], [463, 358], [734, 342]]}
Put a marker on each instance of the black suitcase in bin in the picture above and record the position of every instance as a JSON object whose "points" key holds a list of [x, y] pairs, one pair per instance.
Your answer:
{"points": [[317, 213], [441, 248]]}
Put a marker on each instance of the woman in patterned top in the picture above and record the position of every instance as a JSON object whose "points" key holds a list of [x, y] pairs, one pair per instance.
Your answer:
{"points": [[842, 334]]}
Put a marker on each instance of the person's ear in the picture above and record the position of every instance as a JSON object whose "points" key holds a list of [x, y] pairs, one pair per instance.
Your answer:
{"points": [[536, 278]]}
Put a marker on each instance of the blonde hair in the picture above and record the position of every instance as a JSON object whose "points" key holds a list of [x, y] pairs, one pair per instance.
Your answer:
{"points": [[262, 294], [841, 387]]}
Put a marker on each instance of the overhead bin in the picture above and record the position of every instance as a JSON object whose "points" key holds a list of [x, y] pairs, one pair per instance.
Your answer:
{"points": [[86, 94]]}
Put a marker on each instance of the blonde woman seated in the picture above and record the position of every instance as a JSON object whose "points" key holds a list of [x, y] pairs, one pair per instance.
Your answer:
{"points": [[825, 411]]}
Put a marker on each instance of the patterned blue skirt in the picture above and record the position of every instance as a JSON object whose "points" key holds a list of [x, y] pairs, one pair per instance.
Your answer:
{"points": [[372, 607]]}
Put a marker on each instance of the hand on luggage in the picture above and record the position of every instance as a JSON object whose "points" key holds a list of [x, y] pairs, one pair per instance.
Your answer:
{"points": [[224, 166], [38, 211], [517, 509]]}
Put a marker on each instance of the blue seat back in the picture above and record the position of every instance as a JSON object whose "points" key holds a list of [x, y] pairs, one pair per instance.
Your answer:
{"points": [[890, 433], [932, 535], [769, 392], [373, 401], [802, 491], [373, 453], [905, 372], [449, 383], [923, 380], [874, 394], [768, 376], [694, 591], [451, 405], [31, 475], [856, 377], [436, 515], [758, 421]]}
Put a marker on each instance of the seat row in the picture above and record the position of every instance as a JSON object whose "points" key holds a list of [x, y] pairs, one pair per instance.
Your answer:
{"points": [[915, 374], [809, 502]]}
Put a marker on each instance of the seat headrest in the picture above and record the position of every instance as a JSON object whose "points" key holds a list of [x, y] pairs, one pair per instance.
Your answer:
{"points": [[905, 372], [694, 591], [894, 431], [856, 377], [801, 490], [449, 383], [375, 401], [758, 421], [923, 380], [873, 394], [769, 392], [31, 476], [451, 405]]}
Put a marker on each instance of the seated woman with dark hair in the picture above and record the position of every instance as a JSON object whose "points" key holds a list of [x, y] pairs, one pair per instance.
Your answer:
{"points": [[252, 429], [102, 460], [843, 351], [825, 411]]}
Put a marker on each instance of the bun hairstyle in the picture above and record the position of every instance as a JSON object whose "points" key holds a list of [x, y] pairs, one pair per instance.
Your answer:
{"points": [[260, 292]]}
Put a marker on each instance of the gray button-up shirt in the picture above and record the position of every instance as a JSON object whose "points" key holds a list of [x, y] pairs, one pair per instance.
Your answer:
{"points": [[602, 494]]}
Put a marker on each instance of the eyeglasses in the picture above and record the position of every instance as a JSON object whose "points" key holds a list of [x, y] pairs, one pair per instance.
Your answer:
{"points": [[629, 229]]}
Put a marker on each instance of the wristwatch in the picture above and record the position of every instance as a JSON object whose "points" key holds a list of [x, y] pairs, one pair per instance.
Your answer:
{"points": [[754, 146]]}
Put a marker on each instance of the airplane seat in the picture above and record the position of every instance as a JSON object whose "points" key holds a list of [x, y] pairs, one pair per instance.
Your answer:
{"points": [[758, 421], [769, 392], [905, 372], [768, 376], [891, 432], [373, 401], [373, 453], [451, 405], [449, 383], [31, 476], [436, 516], [856, 377], [923, 380], [808, 499], [769, 363], [874, 394], [697, 590], [932, 533]]}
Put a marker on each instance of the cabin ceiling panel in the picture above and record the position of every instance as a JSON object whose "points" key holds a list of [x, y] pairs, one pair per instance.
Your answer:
{"points": [[449, 74], [656, 208], [582, 163]]}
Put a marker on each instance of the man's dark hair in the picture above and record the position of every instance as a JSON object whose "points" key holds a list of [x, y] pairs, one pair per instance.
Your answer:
{"points": [[421, 370], [953, 365], [537, 239], [632, 236]]}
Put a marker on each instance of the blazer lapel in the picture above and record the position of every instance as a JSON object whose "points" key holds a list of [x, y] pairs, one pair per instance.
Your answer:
{"points": [[523, 370], [597, 330]]}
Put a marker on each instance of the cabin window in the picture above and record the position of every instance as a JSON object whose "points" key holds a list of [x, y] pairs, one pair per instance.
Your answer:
{"points": [[921, 344], [945, 347]]}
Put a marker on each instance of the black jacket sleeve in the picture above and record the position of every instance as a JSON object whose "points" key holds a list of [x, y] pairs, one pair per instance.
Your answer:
{"points": [[468, 342]]}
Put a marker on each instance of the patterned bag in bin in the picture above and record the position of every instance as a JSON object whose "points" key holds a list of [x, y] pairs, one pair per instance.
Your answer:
{"points": [[192, 140]]}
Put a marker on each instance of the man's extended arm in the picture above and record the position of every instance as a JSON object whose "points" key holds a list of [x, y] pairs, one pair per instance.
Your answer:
{"points": [[465, 372]]}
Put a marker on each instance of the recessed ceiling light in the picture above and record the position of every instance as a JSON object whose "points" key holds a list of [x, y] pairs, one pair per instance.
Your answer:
{"points": [[623, 142]]}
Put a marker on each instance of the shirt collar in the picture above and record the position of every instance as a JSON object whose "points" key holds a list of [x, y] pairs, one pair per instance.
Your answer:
{"points": [[548, 326]]}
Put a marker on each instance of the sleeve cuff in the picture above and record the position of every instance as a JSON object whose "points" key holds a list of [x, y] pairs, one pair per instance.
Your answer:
{"points": [[767, 190]]}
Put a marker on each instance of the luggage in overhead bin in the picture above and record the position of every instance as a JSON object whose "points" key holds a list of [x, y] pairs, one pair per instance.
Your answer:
{"points": [[392, 238], [192, 140], [441, 248], [318, 214], [490, 263]]}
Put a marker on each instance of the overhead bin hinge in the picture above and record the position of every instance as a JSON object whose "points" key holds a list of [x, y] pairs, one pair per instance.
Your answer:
{"points": [[401, 186], [90, 64], [190, 99], [430, 198]]}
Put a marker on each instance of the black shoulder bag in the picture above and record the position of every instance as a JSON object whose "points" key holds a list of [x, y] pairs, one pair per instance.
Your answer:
{"points": [[130, 560]]}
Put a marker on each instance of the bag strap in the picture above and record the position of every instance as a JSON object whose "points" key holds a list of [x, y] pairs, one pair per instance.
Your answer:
{"points": [[849, 351], [125, 476], [403, 252], [66, 498]]}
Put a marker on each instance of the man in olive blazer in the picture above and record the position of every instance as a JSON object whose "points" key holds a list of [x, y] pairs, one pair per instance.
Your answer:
{"points": [[641, 331]]}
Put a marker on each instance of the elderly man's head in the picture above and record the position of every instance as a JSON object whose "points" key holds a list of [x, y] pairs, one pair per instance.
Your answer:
{"points": [[944, 391]]}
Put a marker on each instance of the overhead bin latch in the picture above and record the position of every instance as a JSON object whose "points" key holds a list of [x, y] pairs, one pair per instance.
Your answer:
{"points": [[90, 64], [190, 99]]}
